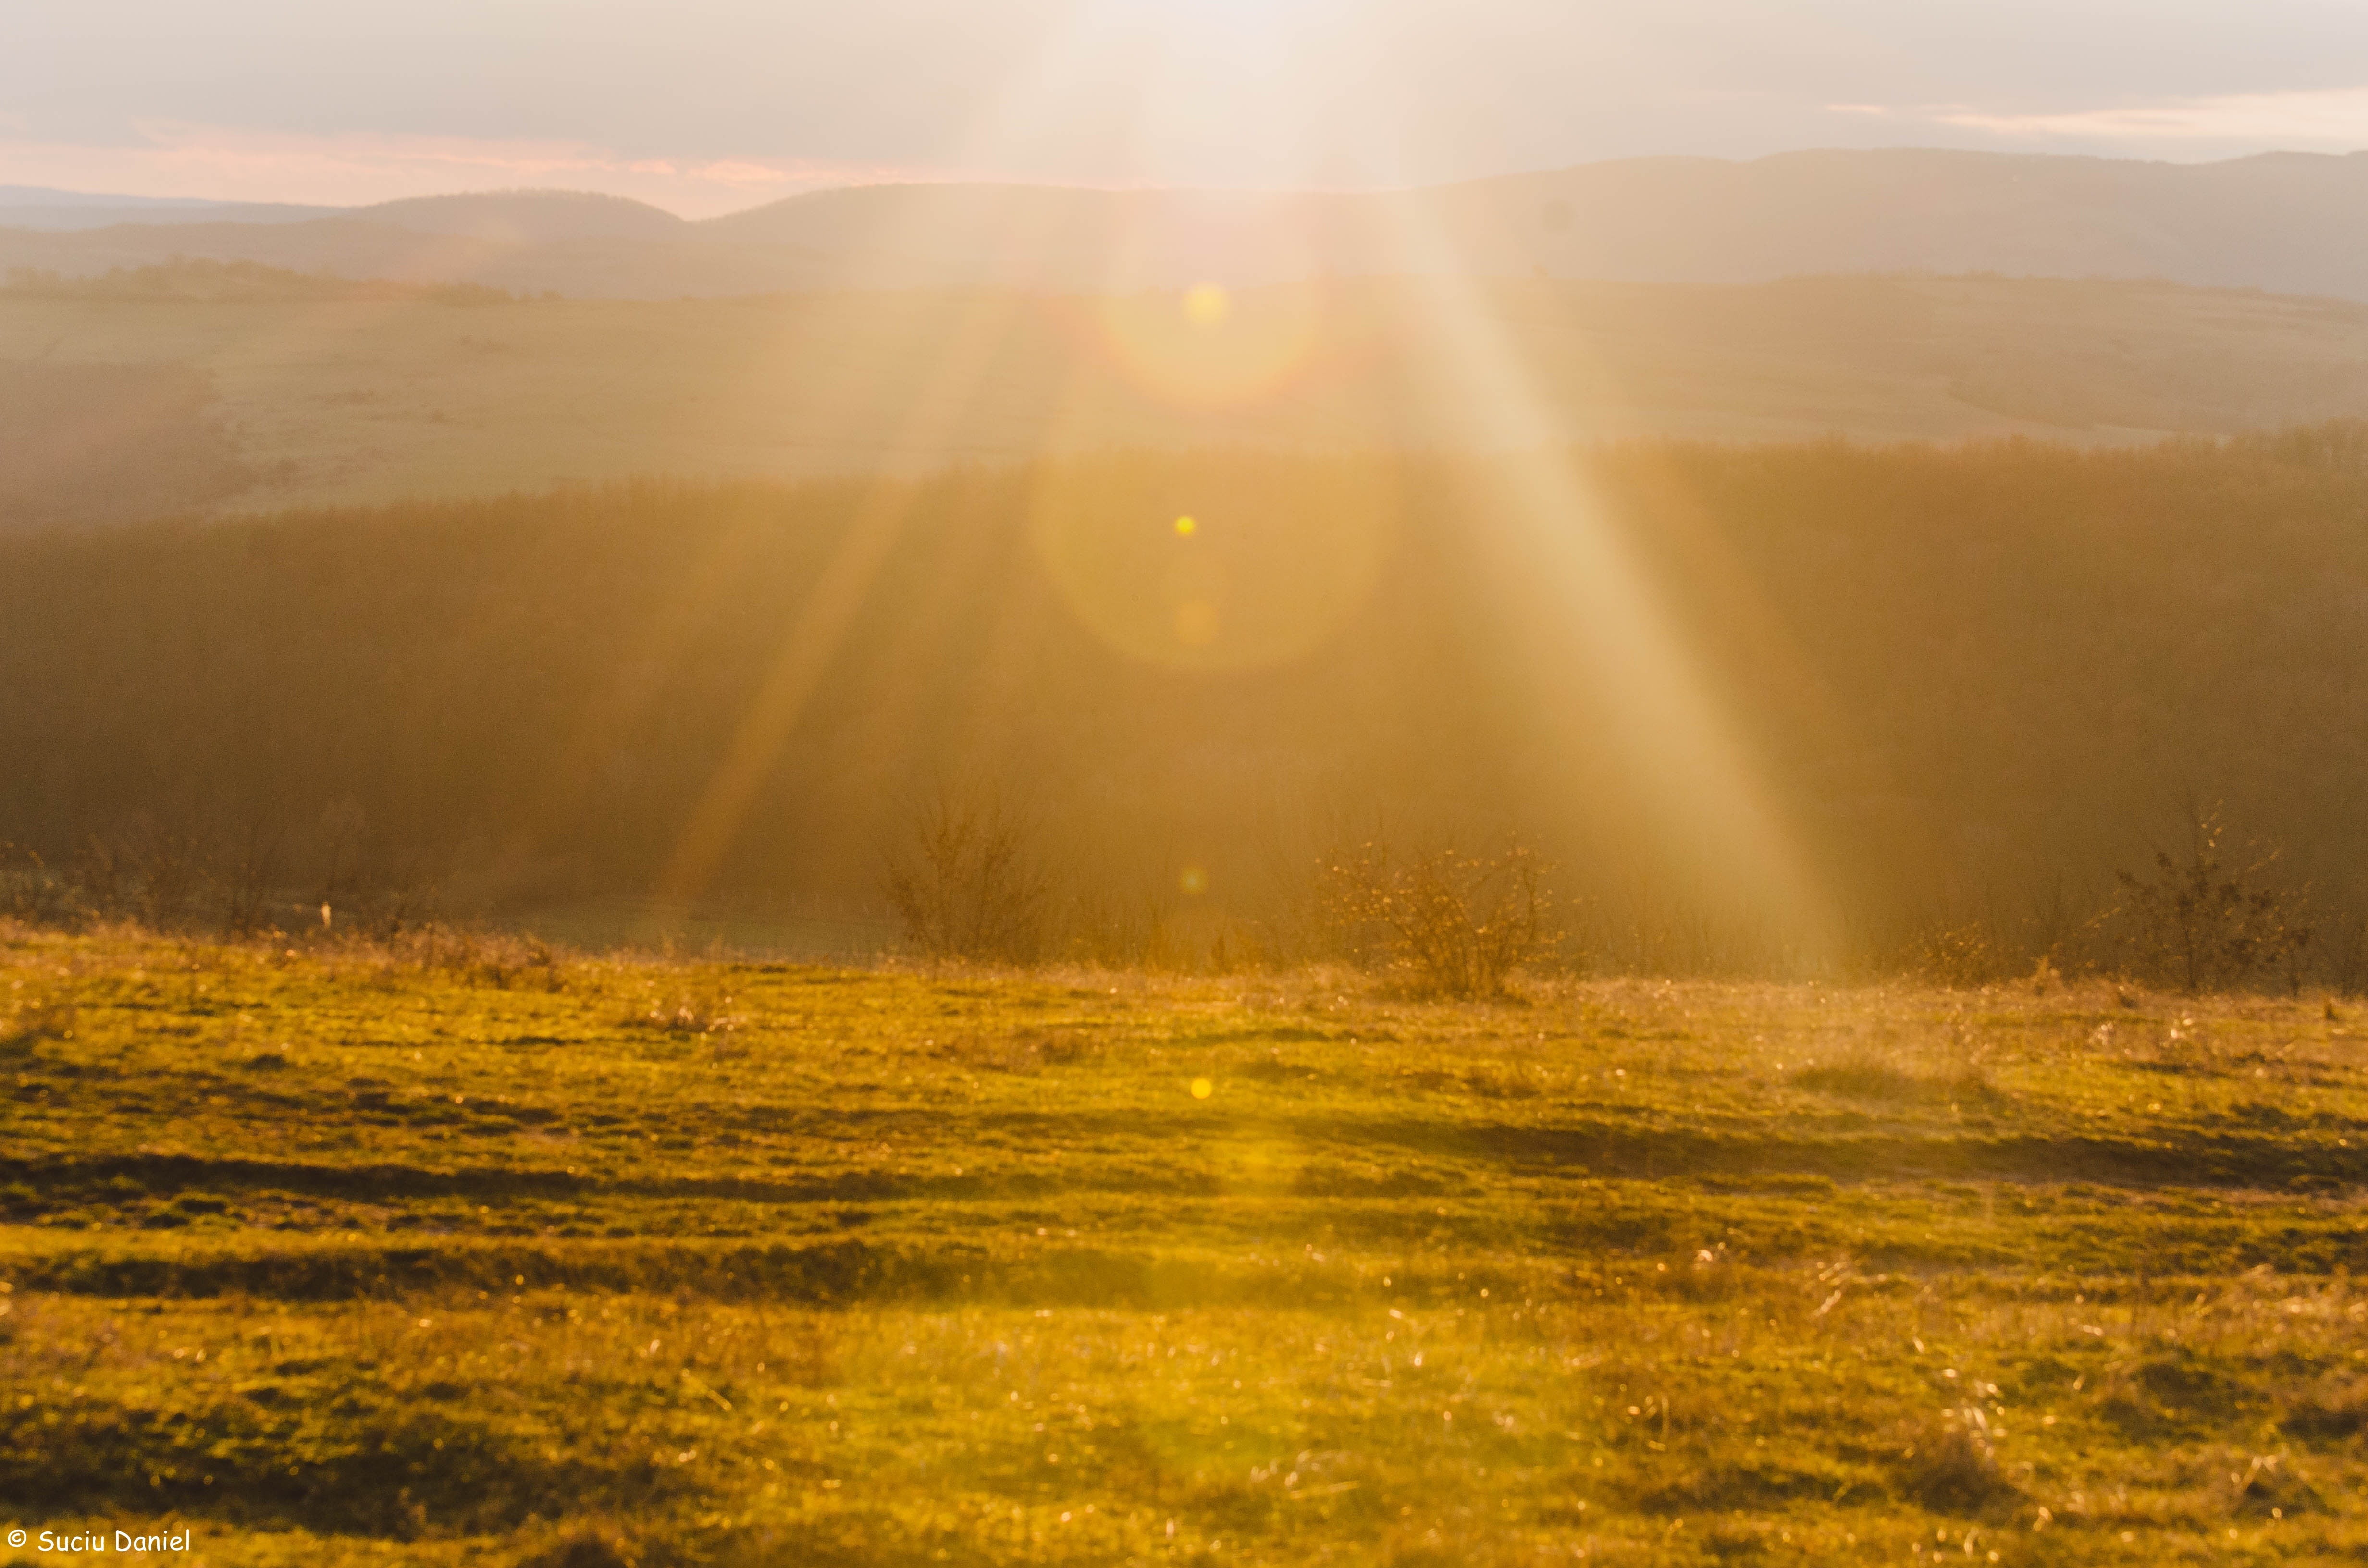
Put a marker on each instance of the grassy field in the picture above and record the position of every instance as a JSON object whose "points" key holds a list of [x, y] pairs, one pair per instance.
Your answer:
{"points": [[465, 1252], [367, 402]]}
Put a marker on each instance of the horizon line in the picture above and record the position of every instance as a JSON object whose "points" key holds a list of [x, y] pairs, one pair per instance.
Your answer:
{"points": [[101, 198]]}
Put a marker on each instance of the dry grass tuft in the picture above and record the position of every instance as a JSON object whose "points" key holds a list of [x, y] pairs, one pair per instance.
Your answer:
{"points": [[1953, 1467]]}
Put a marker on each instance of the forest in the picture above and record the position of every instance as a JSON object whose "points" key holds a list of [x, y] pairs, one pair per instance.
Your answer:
{"points": [[1977, 689]]}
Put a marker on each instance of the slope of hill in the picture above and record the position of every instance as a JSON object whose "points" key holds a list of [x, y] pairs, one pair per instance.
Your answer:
{"points": [[615, 268], [527, 217], [388, 394], [38, 207], [2290, 222]]}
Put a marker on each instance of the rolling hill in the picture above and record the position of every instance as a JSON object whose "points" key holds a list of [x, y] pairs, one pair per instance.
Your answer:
{"points": [[2289, 222], [280, 390]]}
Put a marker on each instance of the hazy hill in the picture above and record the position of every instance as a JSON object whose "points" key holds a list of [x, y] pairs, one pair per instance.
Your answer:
{"points": [[527, 217], [320, 392], [2291, 222], [612, 267], [38, 207]]}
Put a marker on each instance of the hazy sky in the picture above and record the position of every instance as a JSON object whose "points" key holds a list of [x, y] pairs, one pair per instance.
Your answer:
{"points": [[703, 106]]}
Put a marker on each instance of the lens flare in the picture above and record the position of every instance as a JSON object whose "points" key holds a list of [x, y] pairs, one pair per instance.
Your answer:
{"points": [[1206, 305], [1292, 553], [1208, 348]]}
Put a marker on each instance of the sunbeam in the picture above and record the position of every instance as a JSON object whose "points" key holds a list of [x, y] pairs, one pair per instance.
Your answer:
{"points": [[1602, 645]]}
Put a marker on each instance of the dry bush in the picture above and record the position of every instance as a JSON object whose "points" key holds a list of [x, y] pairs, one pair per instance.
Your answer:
{"points": [[968, 884], [1103, 931], [31, 891], [1453, 925], [187, 871], [2200, 924], [493, 958], [244, 879], [1108, 933], [1956, 957], [360, 887], [151, 872]]}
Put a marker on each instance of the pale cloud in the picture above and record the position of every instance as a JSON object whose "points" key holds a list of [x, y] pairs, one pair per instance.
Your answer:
{"points": [[229, 164], [2311, 120]]}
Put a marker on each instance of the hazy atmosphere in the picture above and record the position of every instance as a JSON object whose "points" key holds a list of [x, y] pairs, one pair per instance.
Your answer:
{"points": [[1110, 782], [705, 109]]}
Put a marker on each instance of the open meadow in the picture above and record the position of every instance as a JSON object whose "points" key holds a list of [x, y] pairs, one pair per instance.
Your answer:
{"points": [[455, 1249]]}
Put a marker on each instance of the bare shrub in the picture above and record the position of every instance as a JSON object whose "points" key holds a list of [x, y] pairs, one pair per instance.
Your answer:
{"points": [[1958, 957], [31, 891], [968, 883], [245, 880], [493, 958], [2347, 951], [188, 871], [1099, 929], [362, 891], [2200, 926], [1456, 924], [147, 871]]}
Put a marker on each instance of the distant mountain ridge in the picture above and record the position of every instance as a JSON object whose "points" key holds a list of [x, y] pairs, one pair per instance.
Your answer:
{"points": [[527, 217], [38, 207], [2286, 223]]}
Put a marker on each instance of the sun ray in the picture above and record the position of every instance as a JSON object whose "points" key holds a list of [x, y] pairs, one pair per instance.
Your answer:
{"points": [[1606, 644]]}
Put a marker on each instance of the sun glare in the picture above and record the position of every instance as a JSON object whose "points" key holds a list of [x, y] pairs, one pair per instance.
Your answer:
{"points": [[1206, 305], [1209, 348]]}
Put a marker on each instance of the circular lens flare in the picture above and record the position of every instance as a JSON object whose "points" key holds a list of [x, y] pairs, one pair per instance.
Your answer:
{"points": [[1208, 348], [1271, 561], [1207, 306]]}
